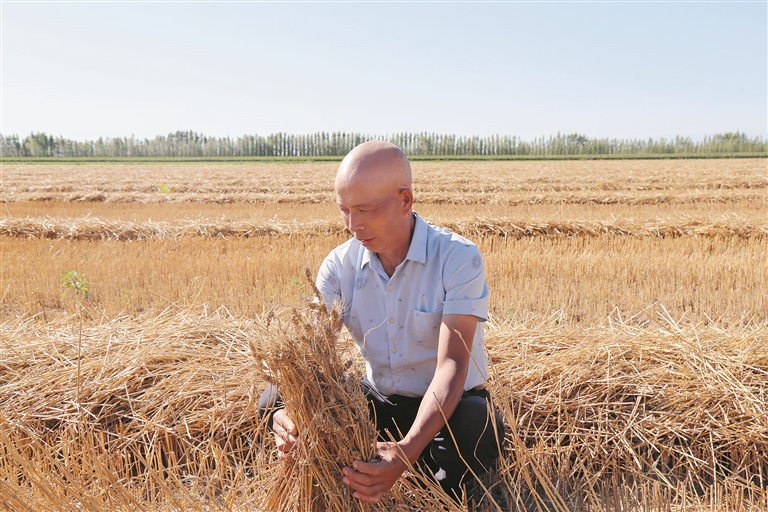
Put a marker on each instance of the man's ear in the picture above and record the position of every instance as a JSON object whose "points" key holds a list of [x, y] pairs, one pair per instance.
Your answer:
{"points": [[406, 196]]}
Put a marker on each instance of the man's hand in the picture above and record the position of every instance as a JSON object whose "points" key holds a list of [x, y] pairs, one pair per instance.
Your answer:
{"points": [[371, 480], [285, 435]]}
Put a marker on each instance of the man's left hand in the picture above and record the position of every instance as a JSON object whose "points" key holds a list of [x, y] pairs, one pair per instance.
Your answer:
{"points": [[371, 480]]}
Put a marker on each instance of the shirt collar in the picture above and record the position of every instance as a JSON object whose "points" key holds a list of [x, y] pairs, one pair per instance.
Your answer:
{"points": [[417, 251]]}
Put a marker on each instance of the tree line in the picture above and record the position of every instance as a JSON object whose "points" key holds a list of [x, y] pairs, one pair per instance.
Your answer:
{"points": [[193, 144]]}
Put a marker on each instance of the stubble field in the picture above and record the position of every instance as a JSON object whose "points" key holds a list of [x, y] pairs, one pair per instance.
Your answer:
{"points": [[628, 331]]}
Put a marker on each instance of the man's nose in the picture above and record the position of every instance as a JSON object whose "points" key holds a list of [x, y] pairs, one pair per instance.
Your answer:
{"points": [[355, 222]]}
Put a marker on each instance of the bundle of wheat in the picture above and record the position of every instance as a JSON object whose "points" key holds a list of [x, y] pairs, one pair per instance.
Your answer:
{"points": [[331, 413]]}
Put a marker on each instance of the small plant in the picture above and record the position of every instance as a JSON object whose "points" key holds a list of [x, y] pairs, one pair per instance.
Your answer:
{"points": [[164, 189], [76, 281], [299, 285]]}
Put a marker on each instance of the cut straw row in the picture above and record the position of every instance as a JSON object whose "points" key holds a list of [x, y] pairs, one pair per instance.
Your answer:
{"points": [[89, 228], [449, 196]]}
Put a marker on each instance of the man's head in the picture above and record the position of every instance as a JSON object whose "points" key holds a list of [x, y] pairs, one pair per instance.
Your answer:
{"points": [[373, 192]]}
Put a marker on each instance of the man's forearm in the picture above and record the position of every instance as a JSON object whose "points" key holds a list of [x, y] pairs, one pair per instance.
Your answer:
{"points": [[437, 406], [447, 386]]}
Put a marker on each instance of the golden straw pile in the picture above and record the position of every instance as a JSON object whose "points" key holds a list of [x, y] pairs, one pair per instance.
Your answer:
{"points": [[127, 415], [159, 413], [667, 411]]}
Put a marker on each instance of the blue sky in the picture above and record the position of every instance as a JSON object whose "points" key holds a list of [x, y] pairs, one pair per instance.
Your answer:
{"points": [[603, 69]]}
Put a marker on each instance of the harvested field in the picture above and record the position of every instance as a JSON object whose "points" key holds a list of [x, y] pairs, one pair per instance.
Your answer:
{"points": [[139, 302], [695, 277], [465, 183]]}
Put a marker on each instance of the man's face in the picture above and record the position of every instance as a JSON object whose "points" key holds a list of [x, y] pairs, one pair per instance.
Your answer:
{"points": [[373, 213]]}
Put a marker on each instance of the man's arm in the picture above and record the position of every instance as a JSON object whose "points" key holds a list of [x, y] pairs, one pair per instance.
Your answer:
{"points": [[371, 480]]}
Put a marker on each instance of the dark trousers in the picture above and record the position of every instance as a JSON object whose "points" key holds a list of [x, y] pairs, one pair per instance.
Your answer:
{"points": [[473, 429], [470, 428]]}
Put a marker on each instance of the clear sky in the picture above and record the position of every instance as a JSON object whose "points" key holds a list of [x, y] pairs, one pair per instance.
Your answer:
{"points": [[603, 69]]}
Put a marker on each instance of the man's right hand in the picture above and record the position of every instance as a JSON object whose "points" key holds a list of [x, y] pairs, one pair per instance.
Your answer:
{"points": [[285, 435]]}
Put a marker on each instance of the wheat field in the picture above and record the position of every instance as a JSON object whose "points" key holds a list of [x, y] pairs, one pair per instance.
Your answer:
{"points": [[627, 334]]}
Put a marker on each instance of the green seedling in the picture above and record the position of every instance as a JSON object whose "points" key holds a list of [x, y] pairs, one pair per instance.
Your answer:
{"points": [[76, 281]]}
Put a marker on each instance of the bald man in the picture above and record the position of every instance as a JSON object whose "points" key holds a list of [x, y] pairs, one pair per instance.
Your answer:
{"points": [[414, 299]]}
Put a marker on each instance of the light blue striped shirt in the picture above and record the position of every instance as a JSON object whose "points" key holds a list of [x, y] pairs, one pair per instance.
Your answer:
{"points": [[395, 321]]}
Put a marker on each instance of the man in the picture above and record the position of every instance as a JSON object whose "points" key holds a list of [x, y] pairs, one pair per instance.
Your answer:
{"points": [[413, 298]]}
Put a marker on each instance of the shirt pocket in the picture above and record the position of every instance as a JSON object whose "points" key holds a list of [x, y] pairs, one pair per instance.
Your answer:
{"points": [[426, 327]]}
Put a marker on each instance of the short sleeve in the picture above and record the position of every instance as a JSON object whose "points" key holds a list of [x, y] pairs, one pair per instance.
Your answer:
{"points": [[466, 292]]}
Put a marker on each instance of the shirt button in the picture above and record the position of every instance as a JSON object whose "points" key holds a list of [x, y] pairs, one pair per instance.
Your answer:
{"points": [[397, 378], [391, 320], [394, 350], [390, 287]]}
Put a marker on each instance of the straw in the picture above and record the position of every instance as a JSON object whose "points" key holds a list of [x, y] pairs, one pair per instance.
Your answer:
{"points": [[657, 417], [91, 228]]}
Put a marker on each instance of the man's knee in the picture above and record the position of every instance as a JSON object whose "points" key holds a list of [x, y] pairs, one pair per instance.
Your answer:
{"points": [[478, 431], [473, 437]]}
